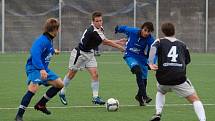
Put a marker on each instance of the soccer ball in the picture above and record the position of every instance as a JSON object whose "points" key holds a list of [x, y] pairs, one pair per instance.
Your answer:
{"points": [[112, 104]]}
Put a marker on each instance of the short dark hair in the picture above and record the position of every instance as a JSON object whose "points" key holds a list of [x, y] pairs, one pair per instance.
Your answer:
{"points": [[96, 14], [149, 26], [168, 29], [51, 24]]}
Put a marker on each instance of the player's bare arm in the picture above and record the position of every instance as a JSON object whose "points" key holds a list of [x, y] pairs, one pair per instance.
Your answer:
{"points": [[153, 67], [121, 42], [113, 44]]}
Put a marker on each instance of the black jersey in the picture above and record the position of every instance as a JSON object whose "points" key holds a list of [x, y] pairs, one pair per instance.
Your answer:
{"points": [[91, 38], [173, 56]]}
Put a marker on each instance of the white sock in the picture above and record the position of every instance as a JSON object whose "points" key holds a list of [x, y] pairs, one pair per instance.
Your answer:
{"points": [[66, 82], [160, 101], [95, 88], [199, 109]]}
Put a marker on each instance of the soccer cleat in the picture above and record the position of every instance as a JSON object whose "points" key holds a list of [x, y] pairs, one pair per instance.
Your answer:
{"points": [[140, 100], [156, 117], [18, 118], [42, 108], [98, 100], [63, 99], [148, 99]]}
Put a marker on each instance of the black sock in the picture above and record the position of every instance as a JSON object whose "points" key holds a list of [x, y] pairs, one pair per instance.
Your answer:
{"points": [[51, 92], [141, 85], [145, 82], [24, 103]]}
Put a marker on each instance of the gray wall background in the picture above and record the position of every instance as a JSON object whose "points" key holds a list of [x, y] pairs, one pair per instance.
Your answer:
{"points": [[24, 20]]}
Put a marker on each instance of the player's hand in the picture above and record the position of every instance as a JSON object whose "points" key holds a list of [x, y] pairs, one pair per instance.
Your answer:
{"points": [[122, 49], [43, 74], [153, 67], [121, 42], [56, 51]]}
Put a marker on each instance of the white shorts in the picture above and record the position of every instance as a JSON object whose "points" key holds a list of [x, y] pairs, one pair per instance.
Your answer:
{"points": [[80, 60], [183, 90]]}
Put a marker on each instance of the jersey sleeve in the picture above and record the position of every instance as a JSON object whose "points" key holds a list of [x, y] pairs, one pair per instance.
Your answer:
{"points": [[101, 34], [187, 56], [36, 53], [126, 30], [153, 51], [149, 43]]}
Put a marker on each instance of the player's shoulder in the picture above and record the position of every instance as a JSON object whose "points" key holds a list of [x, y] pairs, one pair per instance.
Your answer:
{"points": [[90, 28], [180, 42], [42, 40]]}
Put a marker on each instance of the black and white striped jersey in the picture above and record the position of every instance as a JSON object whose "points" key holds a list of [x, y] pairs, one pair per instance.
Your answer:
{"points": [[91, 38], [173, 56]]}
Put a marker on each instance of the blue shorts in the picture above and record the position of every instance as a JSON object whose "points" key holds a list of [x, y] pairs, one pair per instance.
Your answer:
{"points": [[35, 77], [131, 62]]}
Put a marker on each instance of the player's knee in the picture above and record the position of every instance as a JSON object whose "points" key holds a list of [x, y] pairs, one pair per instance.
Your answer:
{"points": [[95, 76], [71, 74], [60, 85], [136, 69], [192, 98]]}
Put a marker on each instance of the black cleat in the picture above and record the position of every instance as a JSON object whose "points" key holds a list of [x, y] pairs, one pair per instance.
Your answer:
{"points": [[18, 118], [42, 108], [156, 117], [148, 99], [98, 100], [140, 100]]}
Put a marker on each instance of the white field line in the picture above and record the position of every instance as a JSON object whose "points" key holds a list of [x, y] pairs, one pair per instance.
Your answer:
{"points": [[100, 62], [67, 107]]}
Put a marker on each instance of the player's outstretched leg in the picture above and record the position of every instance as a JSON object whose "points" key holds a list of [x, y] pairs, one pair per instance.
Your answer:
{"points": [[67, 79], [50, 93]]}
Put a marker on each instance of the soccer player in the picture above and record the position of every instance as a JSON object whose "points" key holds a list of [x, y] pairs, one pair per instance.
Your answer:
{"points": [[136, 55], [173, 57], [83, 57], [38, 72]]}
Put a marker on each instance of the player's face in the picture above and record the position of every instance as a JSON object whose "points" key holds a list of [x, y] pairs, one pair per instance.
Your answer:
{"points": [[97, 22], [145, 32]]}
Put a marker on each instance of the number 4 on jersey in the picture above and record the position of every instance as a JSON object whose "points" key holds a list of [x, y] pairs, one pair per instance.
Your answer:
{"points": [[173, 54]]}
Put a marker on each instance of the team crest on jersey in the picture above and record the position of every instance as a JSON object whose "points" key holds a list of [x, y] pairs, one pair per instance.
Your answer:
{"points": [[135, 50]]}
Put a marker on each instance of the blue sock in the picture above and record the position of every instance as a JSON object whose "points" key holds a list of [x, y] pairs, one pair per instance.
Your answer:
{"points": [[24, 103]]}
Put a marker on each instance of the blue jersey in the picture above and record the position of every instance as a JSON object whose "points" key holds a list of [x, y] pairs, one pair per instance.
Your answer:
{"points": [[41, 52], [136, 45]]}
